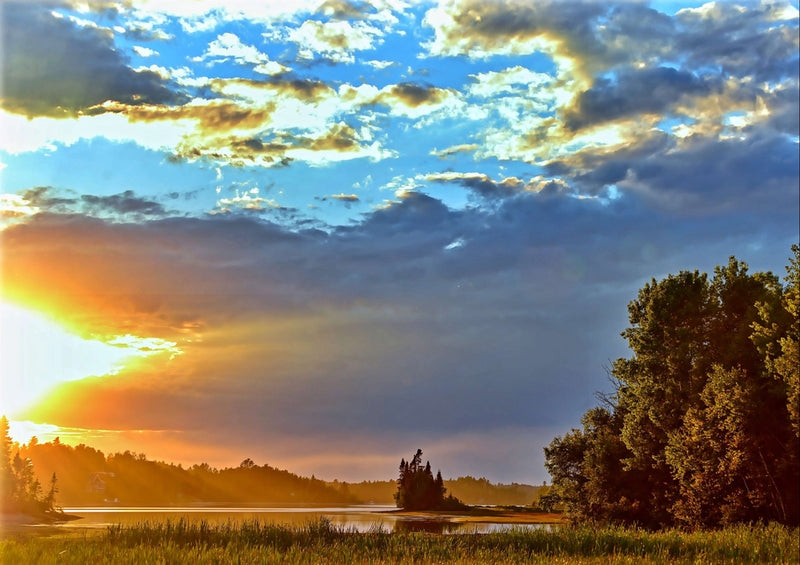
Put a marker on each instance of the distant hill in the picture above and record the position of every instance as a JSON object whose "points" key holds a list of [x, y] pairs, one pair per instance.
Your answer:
{"points": [[86, 476]]}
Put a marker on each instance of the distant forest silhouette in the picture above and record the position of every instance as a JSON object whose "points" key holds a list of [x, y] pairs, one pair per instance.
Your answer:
{"points": [[86, 476]]}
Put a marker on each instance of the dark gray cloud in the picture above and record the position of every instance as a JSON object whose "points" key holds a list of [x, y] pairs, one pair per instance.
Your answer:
{"points": [[711, 175], [739, 42], [310, 333], [124, 204], [50, 199], [631, 93], [720, 38], [759, 172], [54, 67], [613, 36], [783, 109]]}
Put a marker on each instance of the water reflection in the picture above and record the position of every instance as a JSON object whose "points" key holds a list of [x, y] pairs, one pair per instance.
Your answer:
{"points": [[428, 526], [363, 518]]}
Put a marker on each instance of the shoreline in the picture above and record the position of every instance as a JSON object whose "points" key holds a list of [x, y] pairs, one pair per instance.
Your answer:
{"points": [[10, 522], [20, 519], [480, 514]]}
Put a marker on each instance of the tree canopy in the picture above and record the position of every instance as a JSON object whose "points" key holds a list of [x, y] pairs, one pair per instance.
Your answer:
{"points": [[702, 429]]}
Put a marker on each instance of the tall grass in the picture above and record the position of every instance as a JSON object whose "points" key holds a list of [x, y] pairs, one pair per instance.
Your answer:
{"points": [[318, 542]]}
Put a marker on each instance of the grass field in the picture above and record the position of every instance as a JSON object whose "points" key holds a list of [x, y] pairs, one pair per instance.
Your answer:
{"points": [[319, 542]]}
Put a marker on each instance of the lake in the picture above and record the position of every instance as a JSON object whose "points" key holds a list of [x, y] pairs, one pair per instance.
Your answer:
{"points": [[362, 518]]}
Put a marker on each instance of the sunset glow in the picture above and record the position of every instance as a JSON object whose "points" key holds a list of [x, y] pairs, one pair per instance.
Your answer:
{"points": [[37, 354]]}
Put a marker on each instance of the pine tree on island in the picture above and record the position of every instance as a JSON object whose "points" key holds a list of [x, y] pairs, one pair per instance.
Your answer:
{"points": [[417, 489]]}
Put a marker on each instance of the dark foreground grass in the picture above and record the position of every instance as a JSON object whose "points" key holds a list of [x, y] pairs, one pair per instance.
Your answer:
{"points": [[320, 542]]}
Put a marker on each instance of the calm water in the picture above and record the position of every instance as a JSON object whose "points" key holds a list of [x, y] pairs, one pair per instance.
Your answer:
{"points": [[362, 518]]}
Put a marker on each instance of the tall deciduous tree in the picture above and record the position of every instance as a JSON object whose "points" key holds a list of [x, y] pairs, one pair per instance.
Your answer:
{"points": [[704, 419]]}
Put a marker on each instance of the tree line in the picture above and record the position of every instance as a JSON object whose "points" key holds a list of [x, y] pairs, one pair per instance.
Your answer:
{"points": [[21, 491], [86, 476], [702, 427]]}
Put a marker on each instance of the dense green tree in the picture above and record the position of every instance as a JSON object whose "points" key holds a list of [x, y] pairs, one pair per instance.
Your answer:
{"points": [[777, 337], [668, 335], [698, 431], [590, 480], [729, 466]]}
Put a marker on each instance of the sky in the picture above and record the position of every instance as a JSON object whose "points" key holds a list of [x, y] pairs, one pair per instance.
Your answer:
{"points": [[322, 234]]}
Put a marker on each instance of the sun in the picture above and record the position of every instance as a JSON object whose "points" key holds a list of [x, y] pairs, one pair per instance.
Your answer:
{"points": [[36, 354]]}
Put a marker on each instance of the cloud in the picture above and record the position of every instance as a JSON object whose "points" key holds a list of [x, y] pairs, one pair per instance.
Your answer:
{"points": [[610, 66], [312, 334], [721, 175], [740, 41], [123, 204], [480, 183], [484, 29], [339, 143], [598, 36], [144, 51], [414, 101], [244, 126], [340, 138], [333, 40], [210, 116], [345, 197], [228, 46], [249, 200], [414, 95], [340, 9], [253, 91], [53, 67], [697, 174], [632, 93], [455, 149], [13, 208], [379, 65], [498, 83]]}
